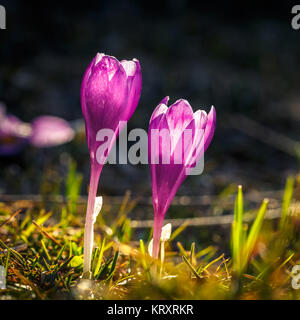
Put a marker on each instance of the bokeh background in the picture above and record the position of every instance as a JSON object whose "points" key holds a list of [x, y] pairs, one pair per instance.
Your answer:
{"points": [[242, 58]]}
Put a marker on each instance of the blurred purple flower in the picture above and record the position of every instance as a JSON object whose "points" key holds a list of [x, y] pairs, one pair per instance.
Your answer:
{"points": [[110, 92], [13, 133], [43, 132], [49, 131], [174, 123]]}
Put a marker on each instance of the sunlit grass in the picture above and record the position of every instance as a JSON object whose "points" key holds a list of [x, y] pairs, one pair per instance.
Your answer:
{"points": [[42, 254]]}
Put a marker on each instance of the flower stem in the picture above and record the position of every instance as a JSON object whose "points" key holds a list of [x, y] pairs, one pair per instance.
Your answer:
{"points": [[158, 222], [162, 257], [89, 224]]}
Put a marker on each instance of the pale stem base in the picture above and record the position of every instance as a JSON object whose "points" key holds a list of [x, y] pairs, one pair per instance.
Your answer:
{"points": [[89, 223], [158, 222]]}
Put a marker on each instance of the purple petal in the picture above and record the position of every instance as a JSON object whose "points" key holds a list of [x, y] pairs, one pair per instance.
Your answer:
{"points": [[134, 83], [179, 115], [82, 93], [130, 67], [210, 127], [49, 131], [158, 113], [200, 121], [200, 117]]}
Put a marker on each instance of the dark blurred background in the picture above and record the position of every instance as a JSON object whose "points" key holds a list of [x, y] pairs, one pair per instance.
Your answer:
{"points": [[242, 58]]}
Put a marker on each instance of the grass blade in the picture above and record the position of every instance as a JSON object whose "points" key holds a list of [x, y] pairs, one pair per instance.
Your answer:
{"points": [[254, 231], [287, 197], [100, 258], [144, 262], [113, 266], [191, 267], [237, 235]]}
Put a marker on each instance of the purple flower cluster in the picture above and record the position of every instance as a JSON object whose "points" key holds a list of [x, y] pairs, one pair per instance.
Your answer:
{"points": [[110, 93]]}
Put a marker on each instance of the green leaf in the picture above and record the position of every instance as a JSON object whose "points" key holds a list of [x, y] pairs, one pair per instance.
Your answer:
{"points": [[254, 231], [60, 253], [100, 257], [237, 234], [76, 261], [7, 262], [45, 250], [113, 266], [144, 262]]}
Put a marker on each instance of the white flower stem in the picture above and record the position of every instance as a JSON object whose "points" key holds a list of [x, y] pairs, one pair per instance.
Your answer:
{"points": [[162, 257], [88, 248], [158, 222], [89, 223]]}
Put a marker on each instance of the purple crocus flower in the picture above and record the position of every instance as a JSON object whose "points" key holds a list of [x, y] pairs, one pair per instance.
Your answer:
{"points": [[42, 132], [110, 92], [184, 138], [49, 131]]}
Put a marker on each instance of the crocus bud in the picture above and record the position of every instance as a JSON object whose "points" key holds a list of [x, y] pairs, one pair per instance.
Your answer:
{"points": [[110, 92], [183, 137]]}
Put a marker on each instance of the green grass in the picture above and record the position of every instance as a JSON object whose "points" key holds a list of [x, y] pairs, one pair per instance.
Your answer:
{"points": [[243, 242], [42, 254]]}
